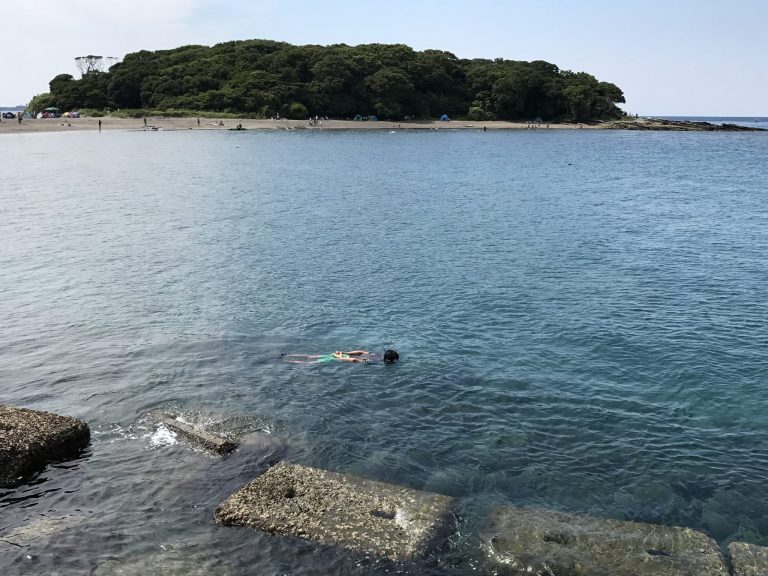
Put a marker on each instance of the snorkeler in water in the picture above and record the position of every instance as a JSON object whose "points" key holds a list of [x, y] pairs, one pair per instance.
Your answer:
{"points": [[389, 357]]}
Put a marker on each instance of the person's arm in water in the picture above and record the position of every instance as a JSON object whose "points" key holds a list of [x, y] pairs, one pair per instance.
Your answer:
{"points": [[356, 352]]}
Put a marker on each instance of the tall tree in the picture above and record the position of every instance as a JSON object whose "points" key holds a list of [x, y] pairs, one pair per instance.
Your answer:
{"points": [[262, 77]]}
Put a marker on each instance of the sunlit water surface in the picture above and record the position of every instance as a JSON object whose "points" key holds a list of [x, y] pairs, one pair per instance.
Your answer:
{"points": [[581, 318]]}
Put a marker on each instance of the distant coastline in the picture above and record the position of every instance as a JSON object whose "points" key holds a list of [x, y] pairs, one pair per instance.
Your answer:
{"points": [[715, 118], [682, 124], [749, 121], [162, 123]]}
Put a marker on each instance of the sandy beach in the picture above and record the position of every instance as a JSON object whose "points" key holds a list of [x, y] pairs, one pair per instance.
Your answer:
{"points": [[8, 126]]}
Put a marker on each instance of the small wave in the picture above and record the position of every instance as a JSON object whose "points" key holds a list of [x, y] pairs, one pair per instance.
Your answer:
{"points": [[162, 436]]}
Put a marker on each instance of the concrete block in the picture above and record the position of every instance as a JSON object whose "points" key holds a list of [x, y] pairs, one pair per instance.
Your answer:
{"points": [[748, 559], [203, 439], [163, 564], [547, 543], [340, 510], [29, 439], [39, 529]]}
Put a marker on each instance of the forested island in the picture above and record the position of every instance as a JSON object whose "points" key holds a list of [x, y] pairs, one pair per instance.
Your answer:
{"points": [[263, 78]]}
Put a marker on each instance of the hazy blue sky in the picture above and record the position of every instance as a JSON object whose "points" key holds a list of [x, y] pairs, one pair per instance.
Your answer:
{"points": [[696, 57]]}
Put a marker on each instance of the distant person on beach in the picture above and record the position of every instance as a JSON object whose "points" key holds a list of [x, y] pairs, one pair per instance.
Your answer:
{"points": [[99, 124], [389, 357]]}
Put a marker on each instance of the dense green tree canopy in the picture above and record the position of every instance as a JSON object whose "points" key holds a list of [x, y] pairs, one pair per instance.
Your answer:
{"points": [[264, 78]]}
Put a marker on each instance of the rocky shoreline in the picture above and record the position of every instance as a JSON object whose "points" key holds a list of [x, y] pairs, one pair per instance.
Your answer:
{"points": [[395, 523], [662, 125]]}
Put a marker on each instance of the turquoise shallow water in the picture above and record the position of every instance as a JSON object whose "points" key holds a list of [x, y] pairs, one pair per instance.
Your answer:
{"points": [[581, 318]]}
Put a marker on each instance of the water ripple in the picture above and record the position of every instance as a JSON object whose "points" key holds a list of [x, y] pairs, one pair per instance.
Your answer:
{"points": [[580, 319]]}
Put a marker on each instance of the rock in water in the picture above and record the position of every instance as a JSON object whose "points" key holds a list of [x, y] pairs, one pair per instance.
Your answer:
{"points": [[748, 559], [663, 124], [29, 439], [204, 439], [162, 564], [336, 509], [547, 543], [38, 529]]}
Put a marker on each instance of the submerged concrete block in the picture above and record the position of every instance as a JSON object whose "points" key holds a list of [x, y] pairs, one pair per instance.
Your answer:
{"points": [[547, 543], [748, 559], [336, 509], [40, 529], [204, 439], [29, 439], [164, 564]]}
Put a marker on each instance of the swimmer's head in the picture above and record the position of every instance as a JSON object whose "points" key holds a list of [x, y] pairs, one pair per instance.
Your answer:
{"points": [[391, 356]]}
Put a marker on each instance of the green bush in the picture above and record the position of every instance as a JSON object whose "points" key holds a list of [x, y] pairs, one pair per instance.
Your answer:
{"points": [[92, 113], [137, 113], [476, 113], [40, 103], [296, 111]]}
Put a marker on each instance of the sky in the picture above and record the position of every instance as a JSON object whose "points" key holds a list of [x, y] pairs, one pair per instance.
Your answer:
{"points": [[670, 57]]}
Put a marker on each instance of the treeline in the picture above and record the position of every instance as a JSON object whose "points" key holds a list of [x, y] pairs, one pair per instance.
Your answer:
{"points": [[263, 78]]}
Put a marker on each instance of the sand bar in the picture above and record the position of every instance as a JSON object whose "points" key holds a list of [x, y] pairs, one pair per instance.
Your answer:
{"points": [[8, 126]]}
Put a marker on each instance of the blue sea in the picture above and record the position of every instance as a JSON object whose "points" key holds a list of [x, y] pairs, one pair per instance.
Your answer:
{"points": [[581, 317]]}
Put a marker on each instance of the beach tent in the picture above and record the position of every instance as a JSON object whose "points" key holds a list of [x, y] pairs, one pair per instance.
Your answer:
{"points": [[358, 118], [374, 119], [445, 118]]}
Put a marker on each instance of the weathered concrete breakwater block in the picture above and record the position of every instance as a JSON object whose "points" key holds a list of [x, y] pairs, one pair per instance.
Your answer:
{"points": [[371, 517], [204, 439], [29, 439], [748, 559], [547, 543]]}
